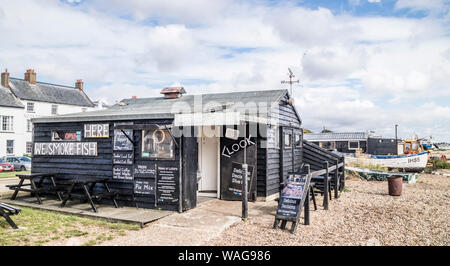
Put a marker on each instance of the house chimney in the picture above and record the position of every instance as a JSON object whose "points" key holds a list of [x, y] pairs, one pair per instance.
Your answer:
{"points": [[79, 84], [173, 92], [30, 76], [5, 79], [133, 97]]}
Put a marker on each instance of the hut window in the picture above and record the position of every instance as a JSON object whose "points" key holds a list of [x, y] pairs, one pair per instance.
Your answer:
{"points": [[353, 145], [298, 140], [157, 144], [287, 140], [329, 145]]}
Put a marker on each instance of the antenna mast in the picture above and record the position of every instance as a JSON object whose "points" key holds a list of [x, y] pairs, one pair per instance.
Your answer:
{"points": [[290, 81]]}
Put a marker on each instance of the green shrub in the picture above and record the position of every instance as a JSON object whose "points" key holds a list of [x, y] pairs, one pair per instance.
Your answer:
{"points": [[441, 164]]}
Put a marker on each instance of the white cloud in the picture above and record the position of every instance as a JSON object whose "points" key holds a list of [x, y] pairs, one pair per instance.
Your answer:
{"points": [[418, 5], [355, 73]]}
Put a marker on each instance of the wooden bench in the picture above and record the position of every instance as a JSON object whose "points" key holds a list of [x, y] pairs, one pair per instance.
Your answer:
{"points": [[8, 210]]}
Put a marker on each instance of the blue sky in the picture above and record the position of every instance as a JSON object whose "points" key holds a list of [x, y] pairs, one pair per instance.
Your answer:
{"points": [[363, 64]]}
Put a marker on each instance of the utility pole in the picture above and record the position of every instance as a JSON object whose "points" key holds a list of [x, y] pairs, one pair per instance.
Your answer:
{"points": [[290, 81], [396, 140], [244, 180]]}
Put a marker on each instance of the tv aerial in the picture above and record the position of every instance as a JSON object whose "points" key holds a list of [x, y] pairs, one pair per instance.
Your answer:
{"points": [[290, 81]]}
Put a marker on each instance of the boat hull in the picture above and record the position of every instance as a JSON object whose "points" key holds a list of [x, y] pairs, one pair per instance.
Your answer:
{"points": [[410, 162]]}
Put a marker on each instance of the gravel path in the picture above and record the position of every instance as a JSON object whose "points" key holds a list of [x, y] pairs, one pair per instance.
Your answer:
{"points": [[364, 215]]}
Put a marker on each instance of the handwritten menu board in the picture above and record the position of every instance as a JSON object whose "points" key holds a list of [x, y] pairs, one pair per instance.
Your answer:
{"points": [[122, 172], [236, 179], [141, 170], [121, 142], [166, 184], [124, 158], [292, 198], [144, 186]]}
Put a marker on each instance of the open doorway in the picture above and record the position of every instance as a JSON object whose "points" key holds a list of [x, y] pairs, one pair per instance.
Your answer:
{"points": [[209, 162]]}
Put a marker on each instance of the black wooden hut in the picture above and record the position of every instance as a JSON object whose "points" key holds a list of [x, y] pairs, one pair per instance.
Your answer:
{"points": [[163, 152], [346, 142]]}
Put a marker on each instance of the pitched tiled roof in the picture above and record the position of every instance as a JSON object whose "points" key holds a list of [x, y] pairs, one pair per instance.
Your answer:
{"points": [[44, 92], [336, 136], [161, 108], [8, 99]]}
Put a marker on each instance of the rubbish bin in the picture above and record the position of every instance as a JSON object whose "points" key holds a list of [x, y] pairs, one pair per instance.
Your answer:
{"points": [[395, 184]]}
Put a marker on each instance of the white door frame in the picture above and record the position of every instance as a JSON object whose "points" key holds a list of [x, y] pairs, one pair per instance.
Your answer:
{"points": [[200, 151]]}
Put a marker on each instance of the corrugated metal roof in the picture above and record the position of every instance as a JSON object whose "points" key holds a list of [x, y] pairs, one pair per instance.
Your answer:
{"points": [[44, 92], [161, 108], [336, 136], [8, 99]]}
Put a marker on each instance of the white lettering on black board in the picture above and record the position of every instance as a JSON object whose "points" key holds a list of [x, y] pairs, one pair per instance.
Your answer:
{"points": [[232, 149], [65, 148], [123, 158], [144, 171], [237, 172], [122, 172], [121, 141], [145, 187], [96, 130], [166, 184]]}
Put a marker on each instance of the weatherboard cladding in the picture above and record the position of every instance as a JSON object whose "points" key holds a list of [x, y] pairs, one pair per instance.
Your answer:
{"points": [[7, 99], [336, 136], [44, 92], [161, 108]]}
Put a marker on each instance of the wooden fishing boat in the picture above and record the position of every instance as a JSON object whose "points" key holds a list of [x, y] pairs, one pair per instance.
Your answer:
{"points": [[407, 162]]}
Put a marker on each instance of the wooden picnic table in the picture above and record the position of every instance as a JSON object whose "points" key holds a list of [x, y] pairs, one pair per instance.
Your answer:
{"points": [[87, 186], [35, 187], [8, 210]]}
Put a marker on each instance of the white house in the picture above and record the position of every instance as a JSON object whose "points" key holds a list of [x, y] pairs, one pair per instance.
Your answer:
{"points": [[24, 99]]}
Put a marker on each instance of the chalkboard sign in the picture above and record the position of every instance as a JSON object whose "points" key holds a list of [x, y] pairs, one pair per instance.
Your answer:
{"points": [[292, 197], [144, 186], [144, 171], [167, 185], [290, 200], [230, 167], [121, 142], [236, 179], [125, 158], [122, 172]]}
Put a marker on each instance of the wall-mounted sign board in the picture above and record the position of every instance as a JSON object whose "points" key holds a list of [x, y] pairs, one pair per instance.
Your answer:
{"points": [[96, 130], [66, 135], [166, 185], [121, 141], [123, 158], [144, 171], [65, 148], [122, 172], [229, 150], [237, 173], [144, 186]]}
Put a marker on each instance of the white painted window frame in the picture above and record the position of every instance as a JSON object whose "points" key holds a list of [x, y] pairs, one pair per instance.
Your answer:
{"points": [[352, 149]]}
